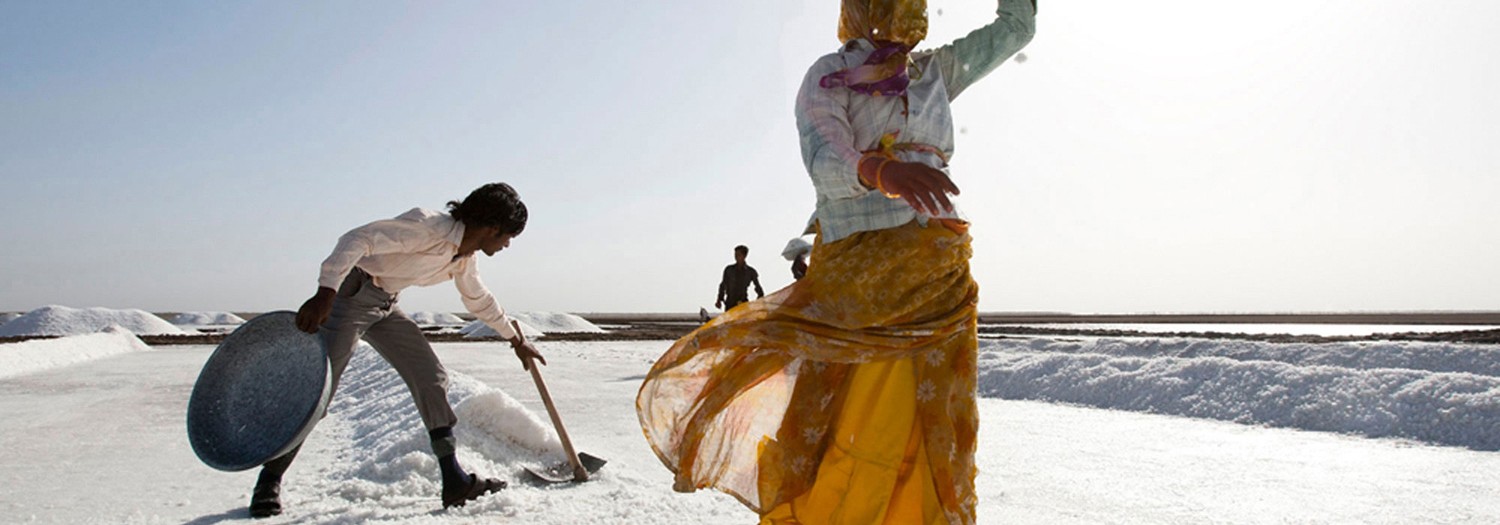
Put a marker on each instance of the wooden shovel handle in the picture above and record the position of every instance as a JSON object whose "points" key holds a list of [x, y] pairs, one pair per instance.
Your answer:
{"points": [[579, 473]]}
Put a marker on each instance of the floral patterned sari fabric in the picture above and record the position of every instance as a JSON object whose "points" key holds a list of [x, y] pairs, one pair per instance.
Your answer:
{"points": [[744, 404]]}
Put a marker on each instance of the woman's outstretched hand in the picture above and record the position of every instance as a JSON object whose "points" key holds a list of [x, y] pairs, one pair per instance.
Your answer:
{"points": [[923, 187]]}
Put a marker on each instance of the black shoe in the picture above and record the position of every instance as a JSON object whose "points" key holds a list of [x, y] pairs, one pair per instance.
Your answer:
{"points": [[457, 496], [266, 501]]}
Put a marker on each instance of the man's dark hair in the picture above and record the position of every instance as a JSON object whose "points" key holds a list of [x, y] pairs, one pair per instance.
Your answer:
{"points": [[742, 249], [493, 204]]}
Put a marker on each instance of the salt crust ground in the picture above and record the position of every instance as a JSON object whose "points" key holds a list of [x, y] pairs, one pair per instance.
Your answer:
{"points": [[102, 442]]}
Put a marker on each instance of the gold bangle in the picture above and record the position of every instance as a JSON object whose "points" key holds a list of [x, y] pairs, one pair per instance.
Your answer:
{"points": [[863, 181], [878, 182]]}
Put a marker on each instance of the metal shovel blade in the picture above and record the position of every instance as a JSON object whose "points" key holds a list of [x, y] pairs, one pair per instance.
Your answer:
{"points": [[562, 472]]}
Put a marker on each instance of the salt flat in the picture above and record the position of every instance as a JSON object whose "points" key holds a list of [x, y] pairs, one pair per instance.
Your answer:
{"points": [[104, 442]]}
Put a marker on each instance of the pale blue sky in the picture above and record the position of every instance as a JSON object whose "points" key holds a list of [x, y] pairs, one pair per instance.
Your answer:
{"points": [[1171, 156]]}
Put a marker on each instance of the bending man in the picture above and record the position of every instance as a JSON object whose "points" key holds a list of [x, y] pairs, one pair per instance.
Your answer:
{"points": [[356, 299]]}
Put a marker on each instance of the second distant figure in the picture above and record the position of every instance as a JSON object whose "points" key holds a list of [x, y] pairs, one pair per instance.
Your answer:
{"points": [[734, 287]]}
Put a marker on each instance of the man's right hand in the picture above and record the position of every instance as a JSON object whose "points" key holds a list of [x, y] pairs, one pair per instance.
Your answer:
{"points": [[315, 310]]}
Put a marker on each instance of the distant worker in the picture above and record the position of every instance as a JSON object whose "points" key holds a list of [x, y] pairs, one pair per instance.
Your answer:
{"points": [[356, 298], [734, 287], [796, 251]]}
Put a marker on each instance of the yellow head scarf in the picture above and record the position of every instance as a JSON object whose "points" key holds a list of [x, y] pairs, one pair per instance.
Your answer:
{"points": [[902, 21]]}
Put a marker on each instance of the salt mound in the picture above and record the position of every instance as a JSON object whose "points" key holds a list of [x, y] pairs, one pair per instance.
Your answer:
{"points": [[557, 323], [44, 354], [535, 324], [206, 318], [478, 330], [61, 320], [1434, 392], [391, 457], [8, 317], [435, 318]]}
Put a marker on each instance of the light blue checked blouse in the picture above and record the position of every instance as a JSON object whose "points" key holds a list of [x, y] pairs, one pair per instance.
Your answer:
{"points": [[837, 125]]}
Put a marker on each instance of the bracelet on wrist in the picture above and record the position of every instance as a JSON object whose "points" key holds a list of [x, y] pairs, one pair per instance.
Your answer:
{"points": [[875, 179], [880, 184]]}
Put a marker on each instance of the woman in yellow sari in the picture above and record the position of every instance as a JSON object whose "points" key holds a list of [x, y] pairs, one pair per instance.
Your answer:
{"points": [[848, 397]]}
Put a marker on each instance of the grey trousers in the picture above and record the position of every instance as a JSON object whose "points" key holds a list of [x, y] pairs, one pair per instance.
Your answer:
{"points": [[363, 310]]}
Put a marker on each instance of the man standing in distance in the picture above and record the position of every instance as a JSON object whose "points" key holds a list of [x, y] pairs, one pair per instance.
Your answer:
{"points": [[733, 288]]}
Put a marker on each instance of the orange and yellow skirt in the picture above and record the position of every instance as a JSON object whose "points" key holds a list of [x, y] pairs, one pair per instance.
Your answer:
{"points": [[847, 397]]}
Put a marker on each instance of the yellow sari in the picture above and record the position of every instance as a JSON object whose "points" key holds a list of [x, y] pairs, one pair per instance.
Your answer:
{"points": [[845, 397]]}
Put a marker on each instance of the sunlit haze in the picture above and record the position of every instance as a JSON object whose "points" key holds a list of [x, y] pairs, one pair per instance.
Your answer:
{"points": [[1174, 156]]}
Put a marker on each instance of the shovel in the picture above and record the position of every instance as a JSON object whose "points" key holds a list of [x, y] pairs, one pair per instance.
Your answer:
{"points": [[579, 464]]}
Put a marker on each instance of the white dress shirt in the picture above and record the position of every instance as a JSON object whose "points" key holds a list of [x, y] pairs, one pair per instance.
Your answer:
{"points": [[417, 248]]}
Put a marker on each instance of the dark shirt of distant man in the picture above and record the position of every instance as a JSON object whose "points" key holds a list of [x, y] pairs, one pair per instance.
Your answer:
{"points": [[737, 278]]}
